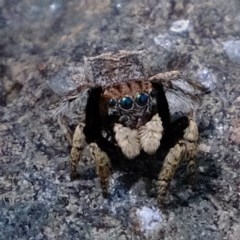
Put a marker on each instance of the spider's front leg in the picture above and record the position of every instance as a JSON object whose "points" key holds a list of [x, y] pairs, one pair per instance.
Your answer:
{"points": [[67, 132], [78, 142], [97, 144], [184, 149], [103, 166]]}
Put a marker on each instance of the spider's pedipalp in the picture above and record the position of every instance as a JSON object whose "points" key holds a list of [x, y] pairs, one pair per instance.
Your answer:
{"points": [[150, 134], [128, 140]]}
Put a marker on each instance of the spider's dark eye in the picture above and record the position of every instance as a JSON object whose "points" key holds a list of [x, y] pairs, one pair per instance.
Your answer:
{"points": [[126, 103], [112, 102], [142, 99], [153, 93]]}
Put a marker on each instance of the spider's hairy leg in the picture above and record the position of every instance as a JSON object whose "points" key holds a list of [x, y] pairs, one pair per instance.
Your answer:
{"points": [[162, 106], [78, 143], [168, 80], [184, 149], [103, 166], [191, 135], [99, 147], [171, 162], [92, 130], [165, 77], [65, 129]]}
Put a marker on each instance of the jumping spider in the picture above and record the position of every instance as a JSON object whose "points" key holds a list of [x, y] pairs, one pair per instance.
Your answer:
{"points": [[122, 113]]}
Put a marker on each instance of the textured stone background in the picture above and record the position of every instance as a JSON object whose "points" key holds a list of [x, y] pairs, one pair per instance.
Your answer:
{"points": [[37, 199]]}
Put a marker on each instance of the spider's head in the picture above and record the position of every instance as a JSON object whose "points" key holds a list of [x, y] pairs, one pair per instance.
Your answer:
{"points": [[131, 103]]}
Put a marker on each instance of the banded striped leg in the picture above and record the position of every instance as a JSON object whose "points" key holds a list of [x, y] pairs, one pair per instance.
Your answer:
{"points": [[103, 166], [78, 143], [191, 135], [65, 129], [185, 149]]}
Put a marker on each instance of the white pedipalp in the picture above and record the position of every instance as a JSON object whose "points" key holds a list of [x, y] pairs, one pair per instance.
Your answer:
{"points": [[146, 138], [151, 134], [128, 140]]}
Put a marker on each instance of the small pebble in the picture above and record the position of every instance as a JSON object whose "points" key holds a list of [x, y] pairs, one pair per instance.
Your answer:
{"points": [[207, 78], [232, 48], [181, 27], [149, 220], [164, 41]]}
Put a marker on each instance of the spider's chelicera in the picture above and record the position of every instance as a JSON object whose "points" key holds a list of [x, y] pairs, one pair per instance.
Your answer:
{"points": [[131, 117]]}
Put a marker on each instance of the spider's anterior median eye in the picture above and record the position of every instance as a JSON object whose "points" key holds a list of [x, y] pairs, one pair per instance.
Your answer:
{"points": [[126, 103], [141, 99], [112, 102]]}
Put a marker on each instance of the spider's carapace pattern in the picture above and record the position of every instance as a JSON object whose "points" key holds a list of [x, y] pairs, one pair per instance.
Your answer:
{"points": [[122, 112]]}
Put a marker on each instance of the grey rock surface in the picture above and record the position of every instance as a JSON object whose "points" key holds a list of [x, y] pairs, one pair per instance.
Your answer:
{"points": [[37, 198], [232, 49]]}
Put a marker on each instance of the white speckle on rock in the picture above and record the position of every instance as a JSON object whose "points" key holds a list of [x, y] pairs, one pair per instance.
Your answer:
{"points": [[181, 27], [207, 78], [232, 48], [53, 7], [204, 148], [163, 40], [149, 220]]}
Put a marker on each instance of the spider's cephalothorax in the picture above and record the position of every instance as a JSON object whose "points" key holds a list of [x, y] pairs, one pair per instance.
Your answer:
{"points": [[112, 124], [133, 117]]}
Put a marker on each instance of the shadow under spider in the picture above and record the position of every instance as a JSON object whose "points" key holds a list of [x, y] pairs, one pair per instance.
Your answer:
{"points": [[179, 194]]}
